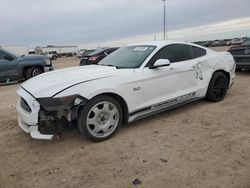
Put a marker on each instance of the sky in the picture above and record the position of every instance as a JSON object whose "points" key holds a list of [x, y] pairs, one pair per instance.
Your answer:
{"points": [[89, 23]]}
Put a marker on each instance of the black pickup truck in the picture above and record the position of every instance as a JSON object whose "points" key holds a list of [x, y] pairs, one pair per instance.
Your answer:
{"points": [[241, 55], [14, 68]]}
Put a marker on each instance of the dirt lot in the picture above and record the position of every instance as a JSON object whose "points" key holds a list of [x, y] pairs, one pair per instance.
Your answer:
{"points": [[198, 145]]}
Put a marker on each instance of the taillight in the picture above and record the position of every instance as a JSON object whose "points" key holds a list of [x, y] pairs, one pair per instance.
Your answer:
{"points": [[93, 58]]}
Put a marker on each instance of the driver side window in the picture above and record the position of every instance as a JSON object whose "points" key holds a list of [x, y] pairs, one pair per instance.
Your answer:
{"points": [[174, 53], [2, 55]]}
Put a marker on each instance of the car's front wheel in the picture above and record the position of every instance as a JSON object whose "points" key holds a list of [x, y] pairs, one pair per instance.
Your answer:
{"points": [[33, 71], [218, 87], [100, 119]]}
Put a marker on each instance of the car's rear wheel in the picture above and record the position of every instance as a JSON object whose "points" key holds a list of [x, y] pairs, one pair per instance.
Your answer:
{"points": [[218, 87], [100, 119], [33, 71]]}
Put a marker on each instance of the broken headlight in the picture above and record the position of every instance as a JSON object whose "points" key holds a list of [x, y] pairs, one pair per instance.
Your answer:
{"points": [[60, 103]]}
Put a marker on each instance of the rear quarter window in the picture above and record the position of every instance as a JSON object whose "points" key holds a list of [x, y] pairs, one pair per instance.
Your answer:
{"points": [[198, 52]]}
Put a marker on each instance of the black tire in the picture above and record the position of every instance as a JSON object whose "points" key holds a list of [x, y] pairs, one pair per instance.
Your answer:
{"points": [[238, 69], [218, 87], [33, 71], [86, 113]]}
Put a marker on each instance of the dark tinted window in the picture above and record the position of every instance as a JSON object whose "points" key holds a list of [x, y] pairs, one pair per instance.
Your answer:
{"points": [[2, 55], [111, 50], [174, 53], [97, 52], [198, 52]]}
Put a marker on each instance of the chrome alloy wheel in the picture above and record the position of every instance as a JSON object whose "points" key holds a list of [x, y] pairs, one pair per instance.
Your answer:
{"points": [[36, 72], [102, 119]]}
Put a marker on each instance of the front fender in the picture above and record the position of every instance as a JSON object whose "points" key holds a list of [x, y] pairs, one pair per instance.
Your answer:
{"points": [[90, 90]]}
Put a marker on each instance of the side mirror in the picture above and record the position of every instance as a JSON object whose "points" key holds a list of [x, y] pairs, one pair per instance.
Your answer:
{"points": [[9, 58], [160, 63]]}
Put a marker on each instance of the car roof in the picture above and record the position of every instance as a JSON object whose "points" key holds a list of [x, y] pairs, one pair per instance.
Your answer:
{"points": [[162, 43]]}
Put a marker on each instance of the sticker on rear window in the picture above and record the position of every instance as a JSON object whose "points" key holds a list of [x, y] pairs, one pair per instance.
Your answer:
{"points": [[140, 48]]}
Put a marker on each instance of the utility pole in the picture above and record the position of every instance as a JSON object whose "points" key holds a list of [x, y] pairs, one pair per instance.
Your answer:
{"points": [[164, 19]]}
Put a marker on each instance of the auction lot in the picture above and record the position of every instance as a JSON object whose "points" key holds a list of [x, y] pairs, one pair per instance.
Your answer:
{"points": [[202, 144]]}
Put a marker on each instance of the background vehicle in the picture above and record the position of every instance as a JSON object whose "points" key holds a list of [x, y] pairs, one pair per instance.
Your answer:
{"points": [[207, 43], [52, 55], [32, 52], [96, 56], [215, 43], [134, 82], [14, 68], [236, 41], [83, 53], [225, 42], [241, 55]]}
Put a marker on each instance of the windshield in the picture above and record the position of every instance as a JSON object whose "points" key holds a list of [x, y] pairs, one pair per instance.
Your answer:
{"points": [[128, 57], [10, 52], [246, 43]]}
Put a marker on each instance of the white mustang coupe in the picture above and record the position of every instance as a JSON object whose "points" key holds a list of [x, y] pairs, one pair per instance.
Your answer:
{"points": [[133, 82]]}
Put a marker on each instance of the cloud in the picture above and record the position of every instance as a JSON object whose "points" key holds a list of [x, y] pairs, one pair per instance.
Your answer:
{"points": [[221, 30], [92, 21]]}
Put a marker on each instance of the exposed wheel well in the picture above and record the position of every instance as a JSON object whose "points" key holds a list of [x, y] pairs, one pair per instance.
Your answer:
{"points": [[120, 100]]}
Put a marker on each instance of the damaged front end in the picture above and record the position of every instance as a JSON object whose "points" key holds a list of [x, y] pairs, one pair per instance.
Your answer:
{"points": [[57, 114], [45, 118]]}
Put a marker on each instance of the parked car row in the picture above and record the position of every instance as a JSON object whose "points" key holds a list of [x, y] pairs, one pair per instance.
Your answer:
{"points": [[82, 53], [224, 42]]}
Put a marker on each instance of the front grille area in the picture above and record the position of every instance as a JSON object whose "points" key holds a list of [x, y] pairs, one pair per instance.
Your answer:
{"points": [[238, 52], [25, 105], [242, 59]]}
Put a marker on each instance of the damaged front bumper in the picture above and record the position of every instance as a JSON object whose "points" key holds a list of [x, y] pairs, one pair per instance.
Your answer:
{"points": [[33, 131], [43, 122]]}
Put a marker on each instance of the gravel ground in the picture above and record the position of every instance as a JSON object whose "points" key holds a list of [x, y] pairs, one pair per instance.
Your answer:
{"points": [[202, 144]]}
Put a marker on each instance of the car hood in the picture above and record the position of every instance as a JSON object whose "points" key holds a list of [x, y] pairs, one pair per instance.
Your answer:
{"points": [[49, 84], [31, 57]]}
